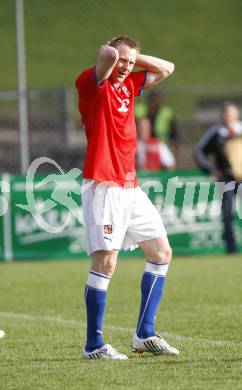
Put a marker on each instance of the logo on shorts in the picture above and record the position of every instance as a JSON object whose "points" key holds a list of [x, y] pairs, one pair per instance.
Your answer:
{"points": [[107, 229]]}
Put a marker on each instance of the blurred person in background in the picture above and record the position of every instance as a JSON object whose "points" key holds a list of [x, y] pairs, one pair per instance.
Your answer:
{"points": [[223, 143], [161, 116], [152, 154]]}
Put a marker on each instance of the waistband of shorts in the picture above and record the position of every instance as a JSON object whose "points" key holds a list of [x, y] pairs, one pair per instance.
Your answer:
{"points": [[90, 182]]}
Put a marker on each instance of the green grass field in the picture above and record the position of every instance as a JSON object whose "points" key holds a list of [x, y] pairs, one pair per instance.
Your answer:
{"points": [[41, 308], [202, 37]]}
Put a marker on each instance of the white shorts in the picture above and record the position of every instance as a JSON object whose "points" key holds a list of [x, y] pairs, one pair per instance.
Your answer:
{"points": [[118, 218]]}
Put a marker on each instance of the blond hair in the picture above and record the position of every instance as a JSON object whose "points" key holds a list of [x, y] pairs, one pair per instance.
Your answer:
{"points": [[125, 40]]}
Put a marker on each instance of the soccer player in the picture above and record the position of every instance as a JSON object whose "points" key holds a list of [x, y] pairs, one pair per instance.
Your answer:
{"points": [[117, 214]]}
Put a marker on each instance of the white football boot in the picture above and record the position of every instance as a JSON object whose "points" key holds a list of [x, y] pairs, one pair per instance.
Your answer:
{"points": [[154, 344], [105, 352]]}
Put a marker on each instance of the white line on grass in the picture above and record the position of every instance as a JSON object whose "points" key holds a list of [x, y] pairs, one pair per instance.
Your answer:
{"points": [[58, 320]]}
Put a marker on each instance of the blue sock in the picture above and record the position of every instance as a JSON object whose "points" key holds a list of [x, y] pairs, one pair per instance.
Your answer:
{"points": [[95, 298], [151, 290]]}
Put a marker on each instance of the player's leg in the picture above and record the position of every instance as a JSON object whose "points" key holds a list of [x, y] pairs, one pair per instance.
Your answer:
{"points": [[102, 268], [104, 262], [146, 228], [158, 254], [104, 239], [227, 210]]}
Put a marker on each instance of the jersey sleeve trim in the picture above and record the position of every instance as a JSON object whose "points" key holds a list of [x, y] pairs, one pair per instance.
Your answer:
{"points": [[143, 84]]}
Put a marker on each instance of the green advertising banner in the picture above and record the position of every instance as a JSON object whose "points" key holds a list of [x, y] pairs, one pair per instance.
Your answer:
{"points": [[193, 217], [41, 215], [31, 231]]}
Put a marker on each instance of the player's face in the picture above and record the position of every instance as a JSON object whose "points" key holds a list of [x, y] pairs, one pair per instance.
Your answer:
{"points": [[125, 64], [230, 115]]}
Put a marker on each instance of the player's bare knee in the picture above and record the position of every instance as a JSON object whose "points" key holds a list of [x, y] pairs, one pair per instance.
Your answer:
{"points": [[109, 267], [109, 264], [163, 256], [104, 262], [168, 255]]}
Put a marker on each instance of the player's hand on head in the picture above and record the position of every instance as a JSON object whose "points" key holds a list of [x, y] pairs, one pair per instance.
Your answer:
{"points": [[107, 57]]}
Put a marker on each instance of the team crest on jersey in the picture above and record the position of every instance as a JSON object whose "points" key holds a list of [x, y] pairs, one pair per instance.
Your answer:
{"points": [[107, 229]]}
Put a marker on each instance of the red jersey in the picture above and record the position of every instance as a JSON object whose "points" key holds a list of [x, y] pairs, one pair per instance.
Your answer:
{"points": [[108, 117]]}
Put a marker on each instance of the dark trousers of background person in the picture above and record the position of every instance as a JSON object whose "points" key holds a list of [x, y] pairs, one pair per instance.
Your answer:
{"points": [[228, 204]]}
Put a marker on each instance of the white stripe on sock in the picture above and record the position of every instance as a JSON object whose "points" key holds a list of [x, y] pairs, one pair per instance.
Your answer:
{"points": [[156, 269], [139, 325], [98, 282]]}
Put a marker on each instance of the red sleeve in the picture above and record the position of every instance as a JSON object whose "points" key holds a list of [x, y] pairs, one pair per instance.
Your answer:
{"points": [[138, 79], [87, 83]]}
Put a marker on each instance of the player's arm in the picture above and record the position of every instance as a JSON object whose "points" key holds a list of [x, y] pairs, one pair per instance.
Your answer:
{"points": [[204, 148], [157, 69], [107, 58]]}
